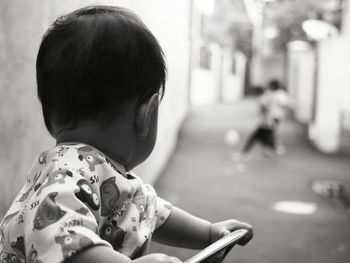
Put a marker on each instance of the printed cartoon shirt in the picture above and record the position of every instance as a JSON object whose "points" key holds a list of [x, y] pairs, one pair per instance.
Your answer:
{"points": [[75, 198]]}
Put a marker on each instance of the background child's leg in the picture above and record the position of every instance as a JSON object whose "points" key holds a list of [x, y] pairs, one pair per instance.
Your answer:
{"points": [[268, 137], [252, 139]]}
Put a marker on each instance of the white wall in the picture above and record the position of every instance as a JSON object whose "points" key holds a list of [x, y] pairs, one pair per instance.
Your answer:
{"points": [[169, 21], [333, 96], [300, 83], [233, 83], [333, 93], [205, 83], [22, 133], [218, 83]]}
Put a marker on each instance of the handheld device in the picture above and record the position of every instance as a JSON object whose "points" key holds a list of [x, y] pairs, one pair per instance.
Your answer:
{"points": [[216, 252]]}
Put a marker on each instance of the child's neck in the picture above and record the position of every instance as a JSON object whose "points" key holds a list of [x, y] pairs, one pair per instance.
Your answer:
{"points": [[111, 142]]}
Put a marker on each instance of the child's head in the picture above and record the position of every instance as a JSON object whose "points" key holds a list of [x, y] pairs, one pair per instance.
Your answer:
{"points": [[274, 85], [99, 75], [92, 62]]}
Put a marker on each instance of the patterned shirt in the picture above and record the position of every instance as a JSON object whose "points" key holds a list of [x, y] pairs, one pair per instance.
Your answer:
{"points": [[76, 197]]}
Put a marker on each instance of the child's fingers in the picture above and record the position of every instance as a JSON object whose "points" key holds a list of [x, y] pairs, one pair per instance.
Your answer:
{"points": [[241, 225], [246, 238], [223, 228], [232, 225], [224, 232]]}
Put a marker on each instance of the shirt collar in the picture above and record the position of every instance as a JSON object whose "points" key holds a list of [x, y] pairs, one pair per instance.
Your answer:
{"points": [[117, 166]]}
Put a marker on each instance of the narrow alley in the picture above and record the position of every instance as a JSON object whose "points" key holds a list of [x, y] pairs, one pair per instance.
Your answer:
{"points": [[92, 71], [203, 179]]}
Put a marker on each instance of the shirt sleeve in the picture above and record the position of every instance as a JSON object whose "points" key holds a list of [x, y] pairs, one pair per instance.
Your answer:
{"points": [[62, 218], [164, 209]]}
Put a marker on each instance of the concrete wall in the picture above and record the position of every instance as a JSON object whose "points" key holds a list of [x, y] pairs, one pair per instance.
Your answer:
{"points": [[169, 20], [22, 133], [218, 83], [329, 127], [233, 82], [300, 83], [322, 110], [333, 95], [330, 130], [205, 85]]}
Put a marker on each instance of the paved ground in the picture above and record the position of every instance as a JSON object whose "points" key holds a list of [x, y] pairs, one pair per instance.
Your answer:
{"points": [[203, 179]]}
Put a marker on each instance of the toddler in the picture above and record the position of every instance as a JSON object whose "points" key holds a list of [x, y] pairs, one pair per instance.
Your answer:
{"points": [[273, 105], [100, 77]]}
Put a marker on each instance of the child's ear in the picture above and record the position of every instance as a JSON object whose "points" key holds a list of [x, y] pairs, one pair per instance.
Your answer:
{"points": [[144, 115]]}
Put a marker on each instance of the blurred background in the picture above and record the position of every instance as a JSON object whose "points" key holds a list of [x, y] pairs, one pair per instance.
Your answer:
{"points": [[220, 55]]}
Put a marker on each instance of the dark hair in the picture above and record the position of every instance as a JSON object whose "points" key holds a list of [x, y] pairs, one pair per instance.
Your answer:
{"points": [[274, 85], [94, 60]]}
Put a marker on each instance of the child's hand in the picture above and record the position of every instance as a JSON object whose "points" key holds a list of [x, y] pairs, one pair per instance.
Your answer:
{"points": [[157, 258], [220, 229]]}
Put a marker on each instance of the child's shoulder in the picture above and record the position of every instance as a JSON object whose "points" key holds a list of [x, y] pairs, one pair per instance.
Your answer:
{"points": [[76, 161]]}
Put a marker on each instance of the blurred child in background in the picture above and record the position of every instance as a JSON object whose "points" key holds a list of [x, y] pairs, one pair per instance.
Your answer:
{"points": [[273, 104]]}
